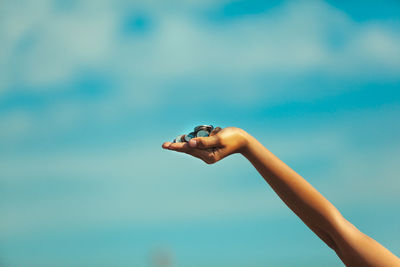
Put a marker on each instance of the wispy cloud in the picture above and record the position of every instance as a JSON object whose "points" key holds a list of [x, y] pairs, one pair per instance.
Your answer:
{"points": [[47, 49], [50, 46]]}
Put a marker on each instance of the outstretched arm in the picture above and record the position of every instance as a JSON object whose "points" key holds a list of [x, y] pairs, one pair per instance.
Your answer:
{"points": [[353, 247]]}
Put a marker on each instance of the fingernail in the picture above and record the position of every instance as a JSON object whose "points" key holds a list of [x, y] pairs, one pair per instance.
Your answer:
{"points": [[193, 143]]}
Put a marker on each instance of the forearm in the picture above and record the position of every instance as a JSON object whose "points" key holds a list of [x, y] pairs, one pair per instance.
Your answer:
{"points": [[303, 199], [352, 246]]}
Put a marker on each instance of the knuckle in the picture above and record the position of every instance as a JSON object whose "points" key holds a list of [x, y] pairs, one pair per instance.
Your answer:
{"points": [[207, 160], [210, 160], [202, 143]]}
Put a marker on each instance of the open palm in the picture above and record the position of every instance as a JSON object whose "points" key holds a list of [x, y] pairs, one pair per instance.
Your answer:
{"points": [[220, 143]]}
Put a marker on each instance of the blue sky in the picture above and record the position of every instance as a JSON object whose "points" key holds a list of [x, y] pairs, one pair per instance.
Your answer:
{"points": [[89, 90]]}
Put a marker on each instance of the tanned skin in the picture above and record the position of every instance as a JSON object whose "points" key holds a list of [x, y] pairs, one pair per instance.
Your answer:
{"points": [[352, 246]]}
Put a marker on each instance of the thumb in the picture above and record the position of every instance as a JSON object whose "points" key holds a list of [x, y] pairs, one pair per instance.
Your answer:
{"points": [[205, 142]]}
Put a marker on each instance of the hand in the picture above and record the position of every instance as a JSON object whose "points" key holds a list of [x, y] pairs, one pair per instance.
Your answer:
{"points": [[220, 143]]}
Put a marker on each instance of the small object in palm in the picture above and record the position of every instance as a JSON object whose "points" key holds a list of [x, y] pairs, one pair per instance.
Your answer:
{"points": [[199, 131]]}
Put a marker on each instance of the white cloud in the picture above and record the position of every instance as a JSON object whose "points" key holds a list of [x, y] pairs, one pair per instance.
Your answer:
{"points": [[289, 39]]}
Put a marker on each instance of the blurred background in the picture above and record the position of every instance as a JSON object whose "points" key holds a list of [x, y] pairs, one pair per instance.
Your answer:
{"points": [[89, 90]]}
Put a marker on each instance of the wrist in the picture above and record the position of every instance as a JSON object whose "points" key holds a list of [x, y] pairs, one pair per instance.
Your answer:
{"points": [[251, 147], [246, 141]]}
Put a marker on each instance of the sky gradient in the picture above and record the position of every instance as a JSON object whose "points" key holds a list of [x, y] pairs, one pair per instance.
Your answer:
{"points": [[89, 90]]}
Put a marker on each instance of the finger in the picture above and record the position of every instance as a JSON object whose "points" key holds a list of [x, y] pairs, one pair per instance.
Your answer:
{"points": [[205, 142], [166, 145], [181, 147], [215, 131], [206, 155]]}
